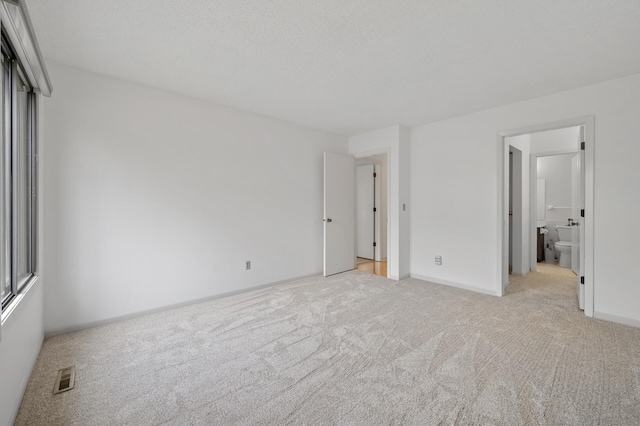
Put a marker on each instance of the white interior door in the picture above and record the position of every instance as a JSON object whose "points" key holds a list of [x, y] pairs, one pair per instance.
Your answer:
{"points": [[575, 213], [577, 205], [510, 183], [339, 213], [365, 204]]}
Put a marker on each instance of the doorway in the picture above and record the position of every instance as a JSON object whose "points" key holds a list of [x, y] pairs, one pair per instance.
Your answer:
{"points": [[371, 214], [366, 211], [340, 225], [557, 197], [535, 206]]}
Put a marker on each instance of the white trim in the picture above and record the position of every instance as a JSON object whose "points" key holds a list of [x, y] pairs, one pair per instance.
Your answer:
{"points": [[617, 319], [377, 237], [502, 220], [589, 123], [20, 298], [373, 152], [399, 278], [453, 284], [17, 25]]}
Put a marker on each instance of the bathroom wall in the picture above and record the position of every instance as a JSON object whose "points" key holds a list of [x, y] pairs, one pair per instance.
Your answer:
{"points": [[556, 170]]}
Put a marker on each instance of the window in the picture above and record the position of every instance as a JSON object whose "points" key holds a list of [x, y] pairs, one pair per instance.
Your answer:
{"points": [[18, 177]]}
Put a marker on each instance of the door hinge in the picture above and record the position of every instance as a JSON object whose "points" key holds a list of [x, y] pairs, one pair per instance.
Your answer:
{"points": [[375, 174], [581, 280], [582, 146], [374, 244], [581, 212], [375, 210]]}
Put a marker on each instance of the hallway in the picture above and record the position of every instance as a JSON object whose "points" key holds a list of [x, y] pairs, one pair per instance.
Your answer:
{"points": [[372, 267]]}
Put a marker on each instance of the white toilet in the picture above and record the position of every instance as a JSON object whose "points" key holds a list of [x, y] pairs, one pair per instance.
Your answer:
{"points": [[563, 245]]}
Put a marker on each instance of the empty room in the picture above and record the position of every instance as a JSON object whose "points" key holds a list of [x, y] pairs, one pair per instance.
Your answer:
{"points": [[222, 212]]}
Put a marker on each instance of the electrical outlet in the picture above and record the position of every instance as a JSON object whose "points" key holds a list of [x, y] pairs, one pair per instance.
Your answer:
{"points": [[438, 260], [248, 265]]}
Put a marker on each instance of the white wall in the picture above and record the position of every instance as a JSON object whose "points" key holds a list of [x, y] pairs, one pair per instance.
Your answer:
{"points": [[22, 335], [22, 330], [404, 207], [555, 140], [454, 190], [394, 141], [154, 199]]}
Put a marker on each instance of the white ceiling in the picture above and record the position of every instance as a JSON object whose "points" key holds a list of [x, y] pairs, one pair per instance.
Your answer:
{"points": [[347, 66]]}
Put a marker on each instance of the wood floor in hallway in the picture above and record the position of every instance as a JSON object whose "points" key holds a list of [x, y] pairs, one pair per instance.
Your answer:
{"points": [[372, 267]]}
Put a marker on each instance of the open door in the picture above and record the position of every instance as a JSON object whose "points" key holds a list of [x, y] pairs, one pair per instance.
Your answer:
{"points": [[365, 211], [577, 211], [339, 213]]}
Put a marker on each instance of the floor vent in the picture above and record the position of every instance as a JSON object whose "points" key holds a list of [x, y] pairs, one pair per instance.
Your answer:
{"points": [[65, 381]]}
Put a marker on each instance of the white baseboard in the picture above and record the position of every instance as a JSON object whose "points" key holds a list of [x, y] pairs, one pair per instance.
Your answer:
{"points": [[617, 319], [454, 284], [399, 278], [92, 324]]}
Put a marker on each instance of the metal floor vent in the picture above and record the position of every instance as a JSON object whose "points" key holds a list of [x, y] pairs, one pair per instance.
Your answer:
{"points": [[66, 379]]}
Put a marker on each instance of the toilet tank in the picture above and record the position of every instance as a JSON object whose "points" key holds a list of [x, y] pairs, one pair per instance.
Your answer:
{"points": [[564, 232]]}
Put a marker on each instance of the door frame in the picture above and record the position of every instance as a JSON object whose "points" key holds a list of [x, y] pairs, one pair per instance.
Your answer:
{"points": [[503, 203], [377, 232]]}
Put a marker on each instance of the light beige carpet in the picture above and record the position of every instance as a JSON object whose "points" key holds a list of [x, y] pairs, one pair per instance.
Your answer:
{"points": [[350, 349]]}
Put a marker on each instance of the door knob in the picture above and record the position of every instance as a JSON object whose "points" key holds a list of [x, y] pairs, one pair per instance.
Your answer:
{"points": [[328, 219]]}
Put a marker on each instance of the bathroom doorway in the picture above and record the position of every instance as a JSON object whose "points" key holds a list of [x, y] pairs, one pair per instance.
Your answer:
{"points": [[547, 184], [557, 197]]}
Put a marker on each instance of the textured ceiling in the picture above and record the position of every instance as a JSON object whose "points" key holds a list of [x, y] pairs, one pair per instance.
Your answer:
{"points": [[347, 66]]}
